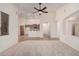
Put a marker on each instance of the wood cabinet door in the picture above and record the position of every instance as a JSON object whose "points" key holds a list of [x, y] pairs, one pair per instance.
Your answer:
{"points": [[21, 30]]}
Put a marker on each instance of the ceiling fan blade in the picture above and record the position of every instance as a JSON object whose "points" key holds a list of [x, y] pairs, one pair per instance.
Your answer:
{"points": [[34, 12], [36, 8], [44, 8], [44, 11]]}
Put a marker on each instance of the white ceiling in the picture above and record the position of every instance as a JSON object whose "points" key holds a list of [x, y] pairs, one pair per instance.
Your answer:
{"points": [[26, 9]]}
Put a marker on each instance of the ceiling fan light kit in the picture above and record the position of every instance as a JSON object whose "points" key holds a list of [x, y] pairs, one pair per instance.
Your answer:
{"points": [[40, 13]]}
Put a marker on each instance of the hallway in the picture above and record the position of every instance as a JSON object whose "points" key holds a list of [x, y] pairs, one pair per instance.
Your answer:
{"points": [[61, 21], [40, 48]]}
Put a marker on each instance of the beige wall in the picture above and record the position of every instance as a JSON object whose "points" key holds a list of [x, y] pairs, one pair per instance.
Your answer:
{"points": [[64, 27], [7, 41], [44, 18], [77, 29]]}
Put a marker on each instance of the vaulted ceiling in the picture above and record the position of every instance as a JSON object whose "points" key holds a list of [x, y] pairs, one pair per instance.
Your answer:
{"points": [[27, 9]]}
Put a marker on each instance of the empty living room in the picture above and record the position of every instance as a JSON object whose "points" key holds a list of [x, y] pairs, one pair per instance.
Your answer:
{"points": [[39, 29]]}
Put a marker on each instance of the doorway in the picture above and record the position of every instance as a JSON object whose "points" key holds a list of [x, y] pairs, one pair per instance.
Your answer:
{"points": [[21, 30], [46, 30], [22, 34]]}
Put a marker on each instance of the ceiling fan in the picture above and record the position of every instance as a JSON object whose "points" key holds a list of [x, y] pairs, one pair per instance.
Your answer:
{"points": [[40, 10]]}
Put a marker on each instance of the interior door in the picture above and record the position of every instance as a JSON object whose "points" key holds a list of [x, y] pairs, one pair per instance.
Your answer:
{"points": [[46, 30]]}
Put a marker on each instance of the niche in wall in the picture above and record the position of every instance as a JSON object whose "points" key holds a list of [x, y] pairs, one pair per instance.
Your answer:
{"points": [[73, 23], [4, 23], [75, 29]]}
